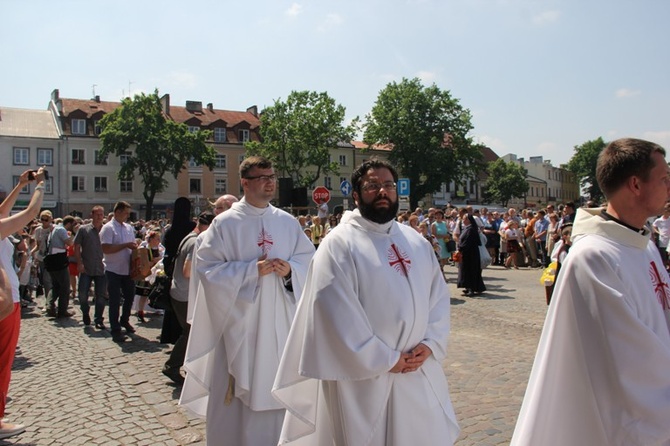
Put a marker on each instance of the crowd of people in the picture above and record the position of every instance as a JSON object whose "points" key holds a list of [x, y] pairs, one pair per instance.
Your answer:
{"points": [[283, 337]]}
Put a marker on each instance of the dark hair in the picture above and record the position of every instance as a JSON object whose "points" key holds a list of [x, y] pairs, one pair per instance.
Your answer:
{"points": [[121, 205], [622, 159], [372, 163], [254, 161], [206, 218], [68, 219]]}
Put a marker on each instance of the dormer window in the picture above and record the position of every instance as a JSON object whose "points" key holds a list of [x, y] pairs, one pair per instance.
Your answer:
{"points": [[243, 135], [193, 129], [78, 126], [219, 134]]}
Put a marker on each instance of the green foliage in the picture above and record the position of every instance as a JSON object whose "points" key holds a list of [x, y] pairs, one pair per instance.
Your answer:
{"points": [[427, 129], [156, 145], [506, 180], [583, 165], [297, 134]]}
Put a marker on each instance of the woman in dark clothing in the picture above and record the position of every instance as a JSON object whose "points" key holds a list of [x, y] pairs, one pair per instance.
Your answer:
{"points": [[470, 271], [182, 224]]}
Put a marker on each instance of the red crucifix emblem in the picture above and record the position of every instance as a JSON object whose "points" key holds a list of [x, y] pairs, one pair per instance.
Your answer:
{"points": [[660, 286], [399, 260], [265, 241]]}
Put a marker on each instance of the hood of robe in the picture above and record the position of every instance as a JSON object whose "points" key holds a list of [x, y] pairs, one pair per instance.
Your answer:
{"points": [[590, 221], [355, 218]]}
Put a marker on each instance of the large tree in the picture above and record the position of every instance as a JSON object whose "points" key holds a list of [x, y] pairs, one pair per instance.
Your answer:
{"points": [[297, 135], [583, 164], [156, 145], [506, 180], [427, 130]]}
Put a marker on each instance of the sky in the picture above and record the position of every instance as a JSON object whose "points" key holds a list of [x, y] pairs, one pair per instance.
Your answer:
{"points": [[538, 76]]}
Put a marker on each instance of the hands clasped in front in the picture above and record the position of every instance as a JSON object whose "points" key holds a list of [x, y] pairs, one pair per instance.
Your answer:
{"points": [[413, 360], [268, 266]]}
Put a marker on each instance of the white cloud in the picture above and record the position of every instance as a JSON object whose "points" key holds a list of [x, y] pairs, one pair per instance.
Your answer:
{"points": [[332, 20], [495, 144], [661, 138], [294, 10], [180, 79], [546, 17], [427, 77], [627, 93]]}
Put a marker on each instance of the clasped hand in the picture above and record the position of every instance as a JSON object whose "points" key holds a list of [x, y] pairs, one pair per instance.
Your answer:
{"points": [[268, 266], [412, 361]]}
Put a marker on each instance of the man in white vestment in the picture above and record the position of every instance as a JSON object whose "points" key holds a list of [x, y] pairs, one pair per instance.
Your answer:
{"points": [[252, 263], [363, 362], [601, 375]]}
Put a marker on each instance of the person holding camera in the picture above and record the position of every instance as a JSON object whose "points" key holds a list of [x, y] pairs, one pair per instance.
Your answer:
{"points": [[10, 324]]}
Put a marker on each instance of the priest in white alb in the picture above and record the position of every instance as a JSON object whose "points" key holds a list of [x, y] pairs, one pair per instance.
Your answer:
{"points": [[363, 364], [601, 375], [252, 263]]}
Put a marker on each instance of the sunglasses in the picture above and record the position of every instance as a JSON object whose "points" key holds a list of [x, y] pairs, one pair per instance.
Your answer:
{"points": [[45, 219]]}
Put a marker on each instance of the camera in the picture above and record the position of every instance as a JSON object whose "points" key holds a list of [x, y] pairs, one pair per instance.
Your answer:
{"points": [[32, 173]]}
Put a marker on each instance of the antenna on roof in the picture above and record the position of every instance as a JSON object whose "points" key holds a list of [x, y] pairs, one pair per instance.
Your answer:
{"points": [[93, 88], [129, 91]]}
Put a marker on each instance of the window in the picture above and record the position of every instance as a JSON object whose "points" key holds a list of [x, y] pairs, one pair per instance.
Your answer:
{"points": [[78, 126], [194, 185], [220, 186], [100, 184], [124, 158], [96, 127], [192, 162], [327, 183], [193, 129], [343, 160], [21, 156], [219, 134], [126, 185], [49, 186], [25, 189], [45, 157], [78, 156], [100, 160], [243, 135], [220, 161], [78, 184]]}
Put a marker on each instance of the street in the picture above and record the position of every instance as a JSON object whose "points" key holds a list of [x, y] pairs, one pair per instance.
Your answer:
{"points": [[72, 385]]}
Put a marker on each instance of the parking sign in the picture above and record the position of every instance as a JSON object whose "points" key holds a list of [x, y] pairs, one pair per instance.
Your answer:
{"points": [[403, 187]]}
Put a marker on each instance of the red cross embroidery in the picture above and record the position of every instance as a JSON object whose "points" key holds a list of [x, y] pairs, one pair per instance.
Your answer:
{"points": [[399, 260], [265, 241], [660, 287]]}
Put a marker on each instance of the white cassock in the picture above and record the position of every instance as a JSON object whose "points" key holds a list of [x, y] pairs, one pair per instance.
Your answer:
{"points": [[601, 375], [372, 292], [241, 322]]}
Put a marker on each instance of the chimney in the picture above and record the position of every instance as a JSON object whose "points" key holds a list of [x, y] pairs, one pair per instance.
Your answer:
{"points": [[97, 98], [165, 104], [253, 110], [210, 107], [194, 106]]}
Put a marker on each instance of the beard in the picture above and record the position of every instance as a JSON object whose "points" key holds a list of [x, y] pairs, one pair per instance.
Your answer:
{"points": [[379, 215]]}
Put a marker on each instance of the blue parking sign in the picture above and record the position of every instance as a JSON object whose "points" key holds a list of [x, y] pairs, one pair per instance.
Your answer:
{"points": [[403, 187]]}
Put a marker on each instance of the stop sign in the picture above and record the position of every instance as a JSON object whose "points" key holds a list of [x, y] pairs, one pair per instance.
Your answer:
{"points": [[321, 195]]}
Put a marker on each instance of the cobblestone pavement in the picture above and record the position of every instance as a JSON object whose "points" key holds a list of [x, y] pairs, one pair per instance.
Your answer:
{"points": [[72, 385]]}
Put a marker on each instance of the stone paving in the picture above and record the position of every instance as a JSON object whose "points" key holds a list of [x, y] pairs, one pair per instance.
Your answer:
{"points": [[72, 385]]}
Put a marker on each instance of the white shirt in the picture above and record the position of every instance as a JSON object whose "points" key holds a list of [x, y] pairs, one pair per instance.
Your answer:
{"points": [[115, 233]]}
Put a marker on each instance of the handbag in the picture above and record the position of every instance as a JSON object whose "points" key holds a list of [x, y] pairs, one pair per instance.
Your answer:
{"points": [[484, 256], [159, 294], [56, 262]]}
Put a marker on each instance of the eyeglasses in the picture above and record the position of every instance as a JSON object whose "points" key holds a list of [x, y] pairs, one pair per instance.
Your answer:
{"points": [[45, 219], [263, 178], [376, 187]]}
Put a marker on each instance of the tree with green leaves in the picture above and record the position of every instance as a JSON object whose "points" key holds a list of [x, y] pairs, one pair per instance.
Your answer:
{"points": [[506, 180], [155, 144], [297, 135], [583, 165], [428, 131]]}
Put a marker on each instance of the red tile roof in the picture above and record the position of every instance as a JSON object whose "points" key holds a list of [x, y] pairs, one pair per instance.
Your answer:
{"points": [[88, 106], [361, 145]]}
